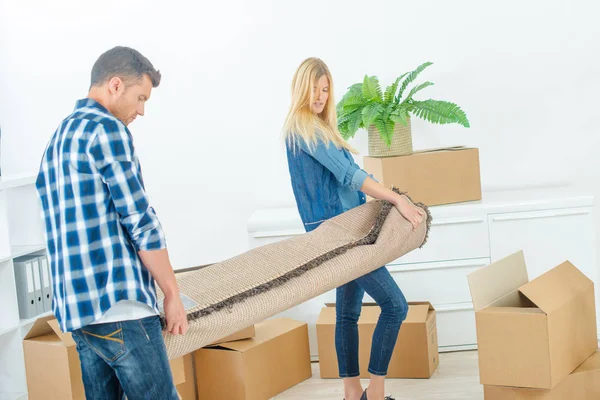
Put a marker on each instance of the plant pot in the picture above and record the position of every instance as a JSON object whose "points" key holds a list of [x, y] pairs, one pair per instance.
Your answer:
{"points": [[401, 142]]}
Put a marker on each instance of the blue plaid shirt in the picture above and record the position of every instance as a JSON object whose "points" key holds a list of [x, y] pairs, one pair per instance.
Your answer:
{"points": [[97, 217]]}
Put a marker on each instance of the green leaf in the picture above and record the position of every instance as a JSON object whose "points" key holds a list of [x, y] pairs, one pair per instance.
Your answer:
{"points": [[439, 112], [355, 122], [410, 78], [371, 90], [400, 118], [343, 128], [390, 92], [417, 89], [370, 112], [349, 124], [352, 101], [386, 130], [388, 111]]}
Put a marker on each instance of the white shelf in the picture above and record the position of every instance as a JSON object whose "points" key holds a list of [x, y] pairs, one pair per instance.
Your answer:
{"points": [[13, 181], [25, 322], [13, 396], [11, 329], [18, 251]]}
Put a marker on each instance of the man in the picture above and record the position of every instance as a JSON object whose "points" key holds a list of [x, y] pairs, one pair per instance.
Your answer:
{"points": [[105, 243]]}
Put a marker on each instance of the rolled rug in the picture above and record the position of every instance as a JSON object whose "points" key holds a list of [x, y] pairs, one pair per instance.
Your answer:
{"points": [[231, 295]]}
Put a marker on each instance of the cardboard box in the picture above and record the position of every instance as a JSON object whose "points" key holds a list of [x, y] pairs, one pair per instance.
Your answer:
{"points": [[52, 363], [416, 351], [438, 176], [247, 333], [582, 384], [532, 334], [187, 389], [276, 359]]}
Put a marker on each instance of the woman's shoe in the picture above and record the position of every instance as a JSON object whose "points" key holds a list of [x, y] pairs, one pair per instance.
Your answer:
{"points": [[364, 396]]}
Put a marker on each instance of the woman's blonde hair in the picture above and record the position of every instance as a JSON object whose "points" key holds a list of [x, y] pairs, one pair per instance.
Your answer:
{"points": [[301, 123]]}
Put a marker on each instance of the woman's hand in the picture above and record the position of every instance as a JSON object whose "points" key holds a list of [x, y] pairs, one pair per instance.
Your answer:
{"points": [[412, 213]]}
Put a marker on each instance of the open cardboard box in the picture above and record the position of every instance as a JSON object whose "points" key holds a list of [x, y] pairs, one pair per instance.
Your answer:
{"points": [[532, 334], [416, 351], [52, 363], [433, 177], [259, 368]]}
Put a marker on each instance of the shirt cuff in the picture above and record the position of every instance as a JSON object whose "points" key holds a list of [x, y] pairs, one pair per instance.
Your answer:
{"points": [[358, 179]]}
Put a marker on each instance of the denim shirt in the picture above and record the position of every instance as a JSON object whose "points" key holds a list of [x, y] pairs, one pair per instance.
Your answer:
{"points": [[326, 181]]}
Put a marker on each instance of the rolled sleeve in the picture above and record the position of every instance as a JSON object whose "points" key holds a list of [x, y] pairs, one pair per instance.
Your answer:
{"points": [[358, 179], [113, 156]]}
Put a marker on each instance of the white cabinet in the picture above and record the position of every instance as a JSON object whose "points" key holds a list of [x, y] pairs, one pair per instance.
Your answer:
{"points": [[548, 237], [550, 225], [442, 281], [453, 238]]}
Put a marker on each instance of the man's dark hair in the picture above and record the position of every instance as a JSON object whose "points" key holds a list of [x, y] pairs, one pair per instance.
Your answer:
{"points": [[125, 63]]}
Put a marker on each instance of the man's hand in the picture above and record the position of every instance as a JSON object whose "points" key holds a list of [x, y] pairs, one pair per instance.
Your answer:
{"points": [[157, 262], [175, 315]]}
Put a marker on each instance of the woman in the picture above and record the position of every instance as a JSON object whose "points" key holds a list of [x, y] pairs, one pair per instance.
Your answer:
{"points": [[327, 182]]}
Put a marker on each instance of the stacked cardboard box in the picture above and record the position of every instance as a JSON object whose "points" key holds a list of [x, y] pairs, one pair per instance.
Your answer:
{"points": [[416, 351], [536, 339], [433, 177]]}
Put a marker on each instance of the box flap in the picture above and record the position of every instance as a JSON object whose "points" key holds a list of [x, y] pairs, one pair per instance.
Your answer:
{"points": [[264, 332], [239, 335], [497, 280], [177, 370], [448, 148], [65, 337], [429, 305], [417, 313], [591, 364], [40, 327], [556, 287], [326, 316]]}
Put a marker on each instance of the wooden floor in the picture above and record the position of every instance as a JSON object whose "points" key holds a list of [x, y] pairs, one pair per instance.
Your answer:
{"points": [[457, 378]]}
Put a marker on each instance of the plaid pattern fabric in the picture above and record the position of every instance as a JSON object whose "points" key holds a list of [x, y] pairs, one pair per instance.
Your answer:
{"points": [[97, 217]]}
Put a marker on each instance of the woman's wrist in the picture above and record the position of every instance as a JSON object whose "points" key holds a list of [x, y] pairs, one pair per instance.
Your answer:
{"points": [[399, 200]]}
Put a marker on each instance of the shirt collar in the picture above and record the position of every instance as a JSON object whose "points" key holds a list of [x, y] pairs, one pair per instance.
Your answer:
{"points": [[90, 103]]}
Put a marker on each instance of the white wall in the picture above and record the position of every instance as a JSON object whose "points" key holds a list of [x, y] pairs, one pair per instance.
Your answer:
{"points": [[525, 72]]}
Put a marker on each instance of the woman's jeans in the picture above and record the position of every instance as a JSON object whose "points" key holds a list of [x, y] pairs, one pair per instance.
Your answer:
{"points": [[380, 285]]}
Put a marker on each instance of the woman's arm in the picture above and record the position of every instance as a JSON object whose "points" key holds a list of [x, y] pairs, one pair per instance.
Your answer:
{"points": [[412, 213]]}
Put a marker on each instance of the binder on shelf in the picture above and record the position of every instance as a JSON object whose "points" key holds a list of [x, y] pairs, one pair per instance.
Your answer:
{"points": [[37, 282], [24, 280], [46, 283]]}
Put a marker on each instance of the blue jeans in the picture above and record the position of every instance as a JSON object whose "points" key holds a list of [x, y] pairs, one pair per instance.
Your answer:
{"points": [[380, 285], [125, 358]]}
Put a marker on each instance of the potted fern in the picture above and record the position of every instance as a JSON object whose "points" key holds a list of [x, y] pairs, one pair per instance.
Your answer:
{"points": [[386, 115]]}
